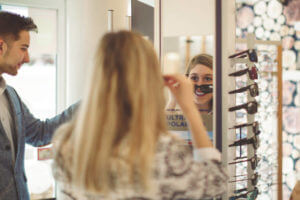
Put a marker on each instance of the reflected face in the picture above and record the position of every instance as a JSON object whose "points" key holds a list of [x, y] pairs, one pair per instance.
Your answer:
{"points": [[16, 55], [201, 75]]}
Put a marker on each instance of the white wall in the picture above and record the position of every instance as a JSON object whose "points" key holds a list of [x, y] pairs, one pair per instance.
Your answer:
{"points": [[192, 17], [86, 23]]}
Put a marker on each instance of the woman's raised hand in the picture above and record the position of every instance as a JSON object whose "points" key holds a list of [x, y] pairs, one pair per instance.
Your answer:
{"points": [[182, 90]]}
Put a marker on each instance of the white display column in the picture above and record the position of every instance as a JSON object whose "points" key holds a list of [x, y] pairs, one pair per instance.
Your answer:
{"points": [[228, 83], [86, 22]]}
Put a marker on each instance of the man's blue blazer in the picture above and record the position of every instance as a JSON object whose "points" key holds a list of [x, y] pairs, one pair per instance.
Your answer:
{"points": [[26, 129]]}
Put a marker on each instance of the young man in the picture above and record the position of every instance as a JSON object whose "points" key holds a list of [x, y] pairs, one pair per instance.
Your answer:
{"points": [[17, 124]]}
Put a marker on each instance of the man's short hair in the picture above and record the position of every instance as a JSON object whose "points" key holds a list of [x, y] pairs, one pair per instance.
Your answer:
{"points": [[12, 24]]}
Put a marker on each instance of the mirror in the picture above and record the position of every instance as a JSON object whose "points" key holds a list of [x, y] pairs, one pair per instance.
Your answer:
{"points": [[187, 36], [183, 34], [191, 56]]}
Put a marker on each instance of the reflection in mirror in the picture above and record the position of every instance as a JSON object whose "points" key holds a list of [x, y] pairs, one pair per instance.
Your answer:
{"points": [[191, 56], [181, 40]]}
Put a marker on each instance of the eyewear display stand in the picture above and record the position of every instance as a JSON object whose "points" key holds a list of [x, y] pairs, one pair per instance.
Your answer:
{"points": [[250, 116], [223, 120], [277, 73]]}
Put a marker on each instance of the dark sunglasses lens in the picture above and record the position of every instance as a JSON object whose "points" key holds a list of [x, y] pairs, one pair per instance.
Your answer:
{"points": [[254, 90], [252, 107], [253, 73], [254, 181], [253, 56], [205, 88]]}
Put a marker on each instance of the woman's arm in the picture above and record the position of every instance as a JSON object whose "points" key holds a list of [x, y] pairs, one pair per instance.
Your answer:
{"points": [[171, 105]]}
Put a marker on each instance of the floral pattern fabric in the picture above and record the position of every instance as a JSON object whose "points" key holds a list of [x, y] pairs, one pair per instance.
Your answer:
{"points": [[175, 176]]}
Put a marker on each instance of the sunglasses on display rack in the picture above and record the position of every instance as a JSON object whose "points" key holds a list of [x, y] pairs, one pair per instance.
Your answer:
{"points": [[250, 107], [208, 88], [255, 127], [253, 179], [250, 53], [241, 190], [245, 141], [253, 89], [253, 161], [252, 72], [250, 195]]}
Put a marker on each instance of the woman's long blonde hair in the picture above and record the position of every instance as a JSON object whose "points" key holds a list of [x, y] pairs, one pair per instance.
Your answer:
{"points": [[122, 115]]}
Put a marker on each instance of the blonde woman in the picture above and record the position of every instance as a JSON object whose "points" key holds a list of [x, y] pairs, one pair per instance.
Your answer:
{"points": [[118, 146]]}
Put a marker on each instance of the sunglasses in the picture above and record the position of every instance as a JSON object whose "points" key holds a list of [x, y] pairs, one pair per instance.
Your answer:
{"points": [[250, 53], [240, 190], [208, 88], [245, 141], [251, 195], [255, 127], [253, 89], [252, 72], [253, 179], [250, 107], [253, 161]]}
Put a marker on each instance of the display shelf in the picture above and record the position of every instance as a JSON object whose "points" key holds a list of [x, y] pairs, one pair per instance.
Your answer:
{"points": [[269, 114]]}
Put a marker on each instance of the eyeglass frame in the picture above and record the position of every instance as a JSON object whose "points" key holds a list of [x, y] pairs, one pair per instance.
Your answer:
{"points": [[253, 161], [205, 88], [255, 127], [245, 141], [253, 179], [252, 72], [251, 53], [246, 195], [253, 90], [245, 106]]}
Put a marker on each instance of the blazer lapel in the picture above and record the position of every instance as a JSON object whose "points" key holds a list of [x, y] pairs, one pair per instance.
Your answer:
{"points": [[14, 130]]}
